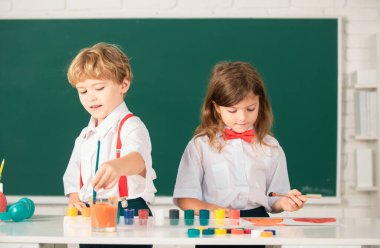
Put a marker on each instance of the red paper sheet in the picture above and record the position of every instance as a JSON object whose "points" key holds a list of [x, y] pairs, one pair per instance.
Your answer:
{"points": [[315, 220], [266, 221]]}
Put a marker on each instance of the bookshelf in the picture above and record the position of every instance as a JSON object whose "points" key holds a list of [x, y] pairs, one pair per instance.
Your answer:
{"points": [[377, 153], [366, 102], [366, 85], [367, 110]]}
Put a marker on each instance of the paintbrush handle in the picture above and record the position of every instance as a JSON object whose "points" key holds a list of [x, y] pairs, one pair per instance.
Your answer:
{"points": [[96, 169], [315, 196]]}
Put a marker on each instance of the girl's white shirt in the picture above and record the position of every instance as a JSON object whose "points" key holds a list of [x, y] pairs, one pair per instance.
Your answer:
{"points": [[134, 138], [240, 176]]}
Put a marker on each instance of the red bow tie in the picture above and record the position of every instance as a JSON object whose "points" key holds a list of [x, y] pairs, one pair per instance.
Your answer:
{"points": [[246, 136]]}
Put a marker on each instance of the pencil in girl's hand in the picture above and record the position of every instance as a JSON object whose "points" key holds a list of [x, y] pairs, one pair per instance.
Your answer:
{"points": [[274, 194], [1, 185]]}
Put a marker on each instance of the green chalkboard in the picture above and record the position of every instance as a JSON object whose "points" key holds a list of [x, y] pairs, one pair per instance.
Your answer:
{"points": [[171, 59]]}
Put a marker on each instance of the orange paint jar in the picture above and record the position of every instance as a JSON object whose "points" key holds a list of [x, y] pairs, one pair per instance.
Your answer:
{"points": [[104, 215]]}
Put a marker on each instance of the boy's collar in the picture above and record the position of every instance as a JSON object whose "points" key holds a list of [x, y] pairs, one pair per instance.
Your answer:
{"points": [[108, 122]]}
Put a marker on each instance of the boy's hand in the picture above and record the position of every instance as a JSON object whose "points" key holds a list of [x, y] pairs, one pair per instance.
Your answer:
{"points": [[74, 201], [295, 201], [110, 172], [107, 176]]}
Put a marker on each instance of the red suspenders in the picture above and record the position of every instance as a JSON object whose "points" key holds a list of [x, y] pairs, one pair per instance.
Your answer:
{"points": [[123, 184]]}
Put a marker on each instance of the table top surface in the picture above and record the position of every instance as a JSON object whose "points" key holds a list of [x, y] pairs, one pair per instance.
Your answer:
{"points": [[77, 230]]}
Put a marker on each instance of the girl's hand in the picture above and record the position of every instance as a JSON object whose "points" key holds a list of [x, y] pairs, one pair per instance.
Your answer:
{"points": [[74, 201], [295, 201]]}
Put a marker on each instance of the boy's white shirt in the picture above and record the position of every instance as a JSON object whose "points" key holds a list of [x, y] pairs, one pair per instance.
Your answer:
{"points": [[134, 138], [240, 176]]}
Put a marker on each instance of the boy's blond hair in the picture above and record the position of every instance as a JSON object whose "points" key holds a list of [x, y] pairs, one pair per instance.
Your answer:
{"points": [[101, 61]]}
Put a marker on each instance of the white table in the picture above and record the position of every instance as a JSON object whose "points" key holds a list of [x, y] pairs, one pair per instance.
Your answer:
{"points": [[77, 230]]}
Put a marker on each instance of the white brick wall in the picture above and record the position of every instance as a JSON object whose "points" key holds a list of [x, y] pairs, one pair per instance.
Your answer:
{"points": [[38, 5], [89, 5], [361, 20]]}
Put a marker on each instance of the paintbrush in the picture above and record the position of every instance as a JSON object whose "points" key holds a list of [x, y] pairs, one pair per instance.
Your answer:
{"points": [[316, 196], [96, 169]]}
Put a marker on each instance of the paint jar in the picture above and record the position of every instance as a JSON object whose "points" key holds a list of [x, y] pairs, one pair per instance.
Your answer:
{"points": [[234, 215], [103, 213], [143, 216], [189, 217], [174, 216], [129, 215], [85, 212], [193, 233], [204, 217], [220, 231], [72, 211], [159, 217], [219, 217]]}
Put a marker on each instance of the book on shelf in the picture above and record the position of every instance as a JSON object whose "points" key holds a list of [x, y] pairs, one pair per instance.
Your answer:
{"points": [[364, 165], [366, 113], [364, 77]]}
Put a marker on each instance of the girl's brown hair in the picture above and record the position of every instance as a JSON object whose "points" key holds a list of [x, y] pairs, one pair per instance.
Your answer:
{"points": [[230, 83], [101, 61]]}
